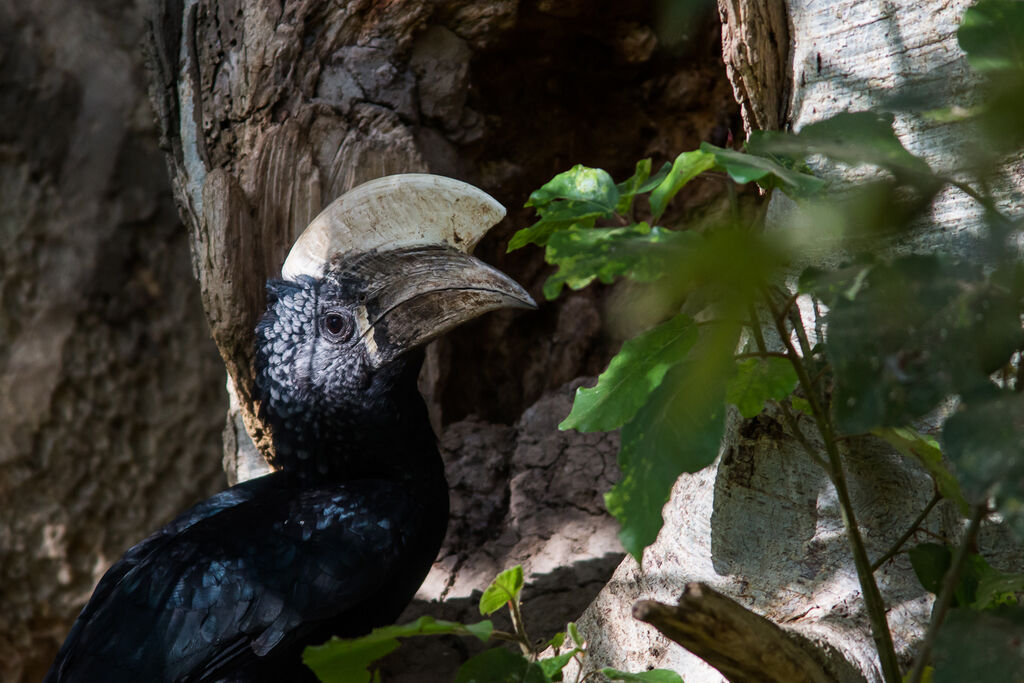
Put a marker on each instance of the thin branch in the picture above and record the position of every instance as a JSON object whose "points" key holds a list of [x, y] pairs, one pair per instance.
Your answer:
{"points": [[945, 599], [873, 602], [517, 622], [794, 428], [907, 534]]}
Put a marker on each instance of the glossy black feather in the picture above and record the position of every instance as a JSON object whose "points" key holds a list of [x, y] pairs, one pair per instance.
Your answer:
{"points": [[336, 543]]}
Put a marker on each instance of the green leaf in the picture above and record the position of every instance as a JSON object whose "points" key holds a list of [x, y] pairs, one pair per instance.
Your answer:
{"points": [[652, 676], [347, 661], [678, 430], [500, 666], [828, 285], [632, 375], [553, 665], [925, 450], [591, 188], [745, 168], [851, 138], [980, 647], [540, 232], [574, 633], [758, 380], [992, 35], [637, 251], [930, 561], [919, 329], [639, 183], [557, 641], [802, 404], [985, 442], [995, 589], [504, 589], [685, 168]]}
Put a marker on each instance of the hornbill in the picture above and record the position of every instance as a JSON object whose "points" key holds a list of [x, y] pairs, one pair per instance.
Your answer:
{"points": [[337, 540]]}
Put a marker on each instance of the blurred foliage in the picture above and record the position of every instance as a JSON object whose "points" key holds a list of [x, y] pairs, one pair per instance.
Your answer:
{"points": [[905, 336]]}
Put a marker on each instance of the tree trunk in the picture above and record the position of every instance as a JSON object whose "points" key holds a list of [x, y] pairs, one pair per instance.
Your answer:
{"points": [[110, 392], [762, 524], [269, 111]]}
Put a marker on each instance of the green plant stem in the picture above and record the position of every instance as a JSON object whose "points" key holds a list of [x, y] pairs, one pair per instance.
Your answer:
{"points": [[755, 329], [505, 636], [517, 622], [794, 428], [873, 602], [907, 534], [945, 598]]}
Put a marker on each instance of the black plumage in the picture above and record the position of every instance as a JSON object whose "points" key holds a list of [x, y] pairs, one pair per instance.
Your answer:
{"points": [[339, 539]]}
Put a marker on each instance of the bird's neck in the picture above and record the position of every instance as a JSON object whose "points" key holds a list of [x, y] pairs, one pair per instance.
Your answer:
{"points": [[384, 433]]}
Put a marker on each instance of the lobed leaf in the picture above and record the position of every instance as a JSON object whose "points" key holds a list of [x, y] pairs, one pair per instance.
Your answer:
{"points": [[635, 371], [348, 661], [504, 589], [757, 380]]}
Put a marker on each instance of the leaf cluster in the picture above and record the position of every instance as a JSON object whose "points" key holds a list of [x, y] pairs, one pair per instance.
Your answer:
{"points": [[904, 338], [353, 660]]}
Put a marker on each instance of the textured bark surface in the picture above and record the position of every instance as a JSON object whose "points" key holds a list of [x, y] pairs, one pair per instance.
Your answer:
{"points": [[745, 647], [111, 395], [762, 525], [269, 112], [756, 50]]}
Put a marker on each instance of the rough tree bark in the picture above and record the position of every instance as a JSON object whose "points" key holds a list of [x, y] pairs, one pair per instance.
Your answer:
{"points": [[110, 391], [762, 525], [271, 110]]}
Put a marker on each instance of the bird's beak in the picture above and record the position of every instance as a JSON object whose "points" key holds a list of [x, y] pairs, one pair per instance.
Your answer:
{"points": [[416, 294]]}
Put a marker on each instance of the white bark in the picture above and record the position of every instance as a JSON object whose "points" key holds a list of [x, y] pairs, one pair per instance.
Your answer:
{"points": [[762, 524]]}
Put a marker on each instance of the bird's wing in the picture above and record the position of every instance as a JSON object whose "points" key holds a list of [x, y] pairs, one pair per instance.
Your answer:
{"points": [[237, 577]]}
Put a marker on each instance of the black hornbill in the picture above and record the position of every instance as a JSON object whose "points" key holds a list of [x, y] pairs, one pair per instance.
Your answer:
{"points": [[338, 538]]}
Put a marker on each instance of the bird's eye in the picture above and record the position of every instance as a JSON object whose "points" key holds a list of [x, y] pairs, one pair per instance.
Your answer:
{"points": [[336, 326]]}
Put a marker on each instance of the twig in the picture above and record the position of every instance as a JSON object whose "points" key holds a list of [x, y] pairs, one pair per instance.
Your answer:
{"points": [[794, 428], [945, 599], [517, 622], [755, 328], [873, 602], [909, 532]]}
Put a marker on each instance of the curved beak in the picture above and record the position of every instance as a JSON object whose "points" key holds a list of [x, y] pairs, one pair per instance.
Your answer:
{"points": [[415, 294]]}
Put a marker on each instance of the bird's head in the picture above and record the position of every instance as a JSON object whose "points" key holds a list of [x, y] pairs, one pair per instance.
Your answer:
{"points": [[379, 273]]}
